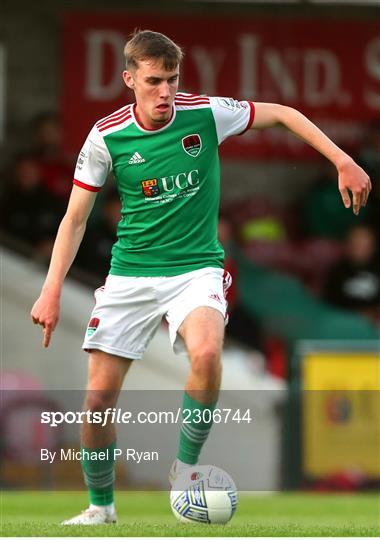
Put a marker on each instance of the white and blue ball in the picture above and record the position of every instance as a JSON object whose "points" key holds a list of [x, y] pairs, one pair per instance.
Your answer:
{"points": [[203, 494]]}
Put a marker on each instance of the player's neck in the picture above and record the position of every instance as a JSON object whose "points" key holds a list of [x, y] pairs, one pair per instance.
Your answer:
{"points": [[147, 123]]}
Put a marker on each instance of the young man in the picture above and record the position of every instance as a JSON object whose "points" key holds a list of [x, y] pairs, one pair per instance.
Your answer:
{"points": [[163, 151]]}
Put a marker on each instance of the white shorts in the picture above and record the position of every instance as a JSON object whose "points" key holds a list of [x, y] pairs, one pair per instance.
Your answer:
{"points": [[129, 310]]}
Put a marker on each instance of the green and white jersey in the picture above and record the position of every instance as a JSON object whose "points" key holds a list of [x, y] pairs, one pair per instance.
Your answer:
{"points": [[168, 180]]}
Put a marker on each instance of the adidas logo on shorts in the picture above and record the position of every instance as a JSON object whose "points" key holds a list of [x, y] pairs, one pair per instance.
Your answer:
{"points": [[135, 159]]}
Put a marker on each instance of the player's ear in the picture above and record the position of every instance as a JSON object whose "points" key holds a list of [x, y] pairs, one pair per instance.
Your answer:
{"points": [[128, 79]]}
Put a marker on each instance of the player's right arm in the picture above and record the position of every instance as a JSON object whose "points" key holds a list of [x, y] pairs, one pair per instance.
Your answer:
{"points": [[70, 234], [92, 169]]}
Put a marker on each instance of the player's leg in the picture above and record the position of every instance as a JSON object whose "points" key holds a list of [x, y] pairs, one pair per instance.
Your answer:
{"points": [[203, 332], [123, 321], [106, 374]]}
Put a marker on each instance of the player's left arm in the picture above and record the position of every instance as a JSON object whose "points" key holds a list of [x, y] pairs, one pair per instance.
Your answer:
{"points": [[351, 177]]}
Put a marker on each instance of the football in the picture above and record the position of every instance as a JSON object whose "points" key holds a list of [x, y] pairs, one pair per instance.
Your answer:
{"points": [[203, 494]]}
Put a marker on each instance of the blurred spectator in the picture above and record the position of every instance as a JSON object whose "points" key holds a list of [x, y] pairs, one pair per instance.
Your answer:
{"points": [[94, 255], [323, 213], [243, 326], [354, 282], [272, 237], [28, 212], [369, 154], [264, 231], [258, 219], [369, 158], [56, 169]]}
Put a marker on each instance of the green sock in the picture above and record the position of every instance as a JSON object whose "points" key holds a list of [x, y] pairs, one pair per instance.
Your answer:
{"points": [[194, 429], [99, 474]]}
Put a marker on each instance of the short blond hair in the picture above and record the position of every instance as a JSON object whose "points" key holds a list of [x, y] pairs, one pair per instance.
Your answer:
{"points": [[145, 44]]}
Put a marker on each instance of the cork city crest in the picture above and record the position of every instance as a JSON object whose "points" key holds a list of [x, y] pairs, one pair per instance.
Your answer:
{"points": [[150, 188], [92, 326], [192, 144]]}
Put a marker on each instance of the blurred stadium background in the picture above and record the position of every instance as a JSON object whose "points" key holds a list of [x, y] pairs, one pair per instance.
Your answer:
{"points": [[305, 308]]}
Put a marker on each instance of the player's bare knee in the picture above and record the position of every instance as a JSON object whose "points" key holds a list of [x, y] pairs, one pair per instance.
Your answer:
{"points": [[100, 400], [205, 361]]}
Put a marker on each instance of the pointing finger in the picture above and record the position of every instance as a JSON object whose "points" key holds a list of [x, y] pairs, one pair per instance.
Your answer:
{"points": [[47, 336]]}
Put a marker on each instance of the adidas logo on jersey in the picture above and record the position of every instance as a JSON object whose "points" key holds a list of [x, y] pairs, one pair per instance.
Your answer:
{"points": [[135, 159]]}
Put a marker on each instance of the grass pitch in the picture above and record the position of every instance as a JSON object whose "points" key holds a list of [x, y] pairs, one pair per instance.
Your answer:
{"points": [[149, 514]]}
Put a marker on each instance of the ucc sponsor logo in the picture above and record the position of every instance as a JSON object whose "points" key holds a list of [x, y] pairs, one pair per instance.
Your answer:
{"points": [[154, 187]]}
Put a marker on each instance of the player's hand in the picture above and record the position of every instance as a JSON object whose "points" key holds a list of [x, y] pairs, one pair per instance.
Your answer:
{"points": [[354, 179], [46, 313]]}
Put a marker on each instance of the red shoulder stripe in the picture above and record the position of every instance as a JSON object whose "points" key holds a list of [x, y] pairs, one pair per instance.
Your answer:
{"points": [[188, 104], [190, 96], [191, 99], [203, 100], [184, 94], [116, 122], [113, 116], [125, 113], [186, 98]]}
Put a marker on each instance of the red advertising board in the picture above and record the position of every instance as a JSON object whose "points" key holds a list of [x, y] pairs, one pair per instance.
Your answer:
{"points": [[328, 69]]}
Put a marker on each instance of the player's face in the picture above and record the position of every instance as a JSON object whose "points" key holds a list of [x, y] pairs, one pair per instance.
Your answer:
{"points": [[155, 89]]}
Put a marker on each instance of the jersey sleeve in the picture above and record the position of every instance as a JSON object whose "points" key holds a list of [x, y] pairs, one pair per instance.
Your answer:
{"points": [[231, 117], [94, 163]]}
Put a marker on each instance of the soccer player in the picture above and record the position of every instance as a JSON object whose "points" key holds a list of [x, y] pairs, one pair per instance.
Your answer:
{"points": [[163, 151]]}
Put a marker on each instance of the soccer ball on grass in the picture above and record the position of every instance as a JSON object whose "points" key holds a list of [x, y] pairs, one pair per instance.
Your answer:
{"points": [[203, 494]]}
